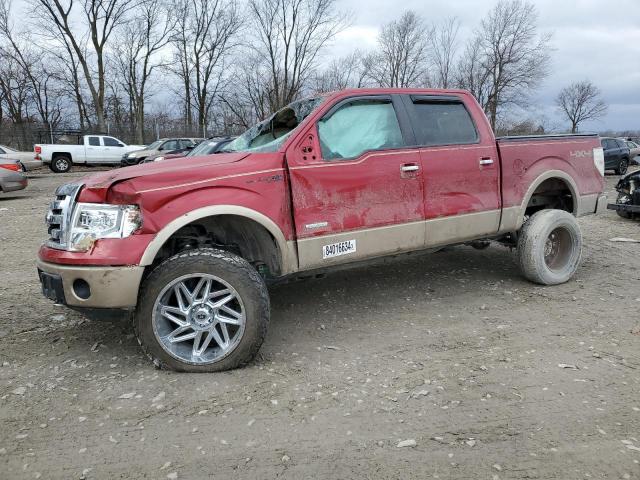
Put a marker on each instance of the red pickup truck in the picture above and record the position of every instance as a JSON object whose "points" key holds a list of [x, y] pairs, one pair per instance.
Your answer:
{"points": [[188, 246]]}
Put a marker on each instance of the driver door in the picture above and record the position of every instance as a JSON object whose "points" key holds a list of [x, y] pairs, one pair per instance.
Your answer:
{"points": [[357, 188]]}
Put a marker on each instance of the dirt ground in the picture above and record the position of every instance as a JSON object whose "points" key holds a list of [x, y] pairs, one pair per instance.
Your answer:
{"points": [[487, 375]]}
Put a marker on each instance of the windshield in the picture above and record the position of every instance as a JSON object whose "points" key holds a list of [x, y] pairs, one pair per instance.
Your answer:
{"points": [[267, 136], [203, 148], [155, 145]]}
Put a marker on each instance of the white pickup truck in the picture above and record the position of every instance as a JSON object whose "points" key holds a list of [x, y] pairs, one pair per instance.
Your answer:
{"points": [[91, 150]]}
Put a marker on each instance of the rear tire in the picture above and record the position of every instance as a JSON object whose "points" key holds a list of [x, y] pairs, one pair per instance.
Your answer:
{"points": [[162, 319], [549, 247], [60, 164], [623, 166]]}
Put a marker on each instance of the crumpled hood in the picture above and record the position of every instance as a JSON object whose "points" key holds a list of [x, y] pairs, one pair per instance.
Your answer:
{"points": [[172, 170]]}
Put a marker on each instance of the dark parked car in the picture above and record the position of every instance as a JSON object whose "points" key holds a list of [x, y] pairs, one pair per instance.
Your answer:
{"points": [[628, 202], [616, 155]]}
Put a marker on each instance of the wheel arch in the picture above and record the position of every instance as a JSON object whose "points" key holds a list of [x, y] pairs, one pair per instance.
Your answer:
{"points": [[287, 259], [68, 155], [549, 176]]}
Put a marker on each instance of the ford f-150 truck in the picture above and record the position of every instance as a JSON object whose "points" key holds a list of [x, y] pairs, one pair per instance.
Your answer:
{"points": [[93, 150], [188, 246]]}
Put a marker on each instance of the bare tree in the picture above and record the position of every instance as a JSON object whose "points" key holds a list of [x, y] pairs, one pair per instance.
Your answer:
{"points": [[472, 75], [248, 99], [401, 60], [580, 102], [512, 56], [443, 46], [346, 72], [100, 17], [43, 93], [290, 35], [207, 33], [14, 92], [70, 77], [138, 53]]}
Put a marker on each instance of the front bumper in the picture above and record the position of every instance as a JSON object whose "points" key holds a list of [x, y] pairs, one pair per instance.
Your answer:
{"points": [[90, 287], [624, 207]]}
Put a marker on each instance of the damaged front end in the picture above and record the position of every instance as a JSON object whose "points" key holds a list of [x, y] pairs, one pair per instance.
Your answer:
{"points": [[628, 202]]}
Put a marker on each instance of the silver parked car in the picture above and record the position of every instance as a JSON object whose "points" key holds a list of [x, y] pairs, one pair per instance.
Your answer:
{"points": [[27, 160], [634, 151], [11, 180]]}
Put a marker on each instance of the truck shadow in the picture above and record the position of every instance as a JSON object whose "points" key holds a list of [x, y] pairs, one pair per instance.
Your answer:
{"points": [[403, 286]]}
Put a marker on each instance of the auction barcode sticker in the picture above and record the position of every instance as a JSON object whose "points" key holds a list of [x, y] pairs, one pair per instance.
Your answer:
{"points": [[337, 249]]}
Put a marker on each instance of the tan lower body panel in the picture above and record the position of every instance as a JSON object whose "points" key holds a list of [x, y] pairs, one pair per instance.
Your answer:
{"points": [[392, 239], [370, 242], [111, 287], [460, 228]]}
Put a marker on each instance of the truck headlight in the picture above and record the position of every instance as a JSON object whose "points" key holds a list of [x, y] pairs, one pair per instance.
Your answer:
{"points": [[158, 159], [131, 155], [93, 221]]}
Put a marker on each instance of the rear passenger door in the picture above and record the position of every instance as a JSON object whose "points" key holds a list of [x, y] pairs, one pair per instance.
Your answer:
{"points": [[93, 150], [356, 184], [461, 169], [611, 153]]}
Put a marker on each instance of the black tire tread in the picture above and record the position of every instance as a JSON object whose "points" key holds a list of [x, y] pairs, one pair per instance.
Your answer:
{"points": [[55, 169], [232, 261], [619, 170], [526, 236]]}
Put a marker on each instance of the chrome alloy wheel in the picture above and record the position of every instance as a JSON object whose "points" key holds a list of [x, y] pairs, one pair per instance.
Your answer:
{"points": [[198, 318], [62, 164]]}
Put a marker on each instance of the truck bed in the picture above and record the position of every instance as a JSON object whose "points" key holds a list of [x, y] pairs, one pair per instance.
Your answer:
{"points": [[525, 158]]}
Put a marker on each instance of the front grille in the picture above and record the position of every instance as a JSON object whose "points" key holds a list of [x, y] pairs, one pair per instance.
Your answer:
{"points": [[58, 217]]}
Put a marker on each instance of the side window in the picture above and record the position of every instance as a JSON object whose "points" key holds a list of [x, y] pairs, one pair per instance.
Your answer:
{"points": [[443, 123], [357, 127], [621, 144], [170, 145], [111, 142], [2, 151], [94, 141]]}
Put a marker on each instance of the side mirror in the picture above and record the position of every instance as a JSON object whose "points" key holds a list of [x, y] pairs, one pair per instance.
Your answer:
{"points": [[121, 144], [190, 147]]}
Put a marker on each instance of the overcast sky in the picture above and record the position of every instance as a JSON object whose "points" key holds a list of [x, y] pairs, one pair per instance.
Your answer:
{"points": [[597, 40]]}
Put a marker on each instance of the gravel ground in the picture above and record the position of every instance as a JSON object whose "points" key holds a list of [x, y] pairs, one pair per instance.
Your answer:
{"points": [[447, 365]]}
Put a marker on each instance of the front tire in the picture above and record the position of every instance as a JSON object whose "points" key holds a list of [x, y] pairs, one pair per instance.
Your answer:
{"points": [[203, 310], [60, 164], [550, 247]]}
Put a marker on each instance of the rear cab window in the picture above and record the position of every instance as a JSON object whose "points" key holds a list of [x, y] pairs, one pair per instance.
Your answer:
{"points": [[94, 141], [440, 120]]}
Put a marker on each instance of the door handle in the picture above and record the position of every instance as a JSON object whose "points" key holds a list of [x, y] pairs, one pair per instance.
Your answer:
{"points": [[486, 161], [409, 168]]}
